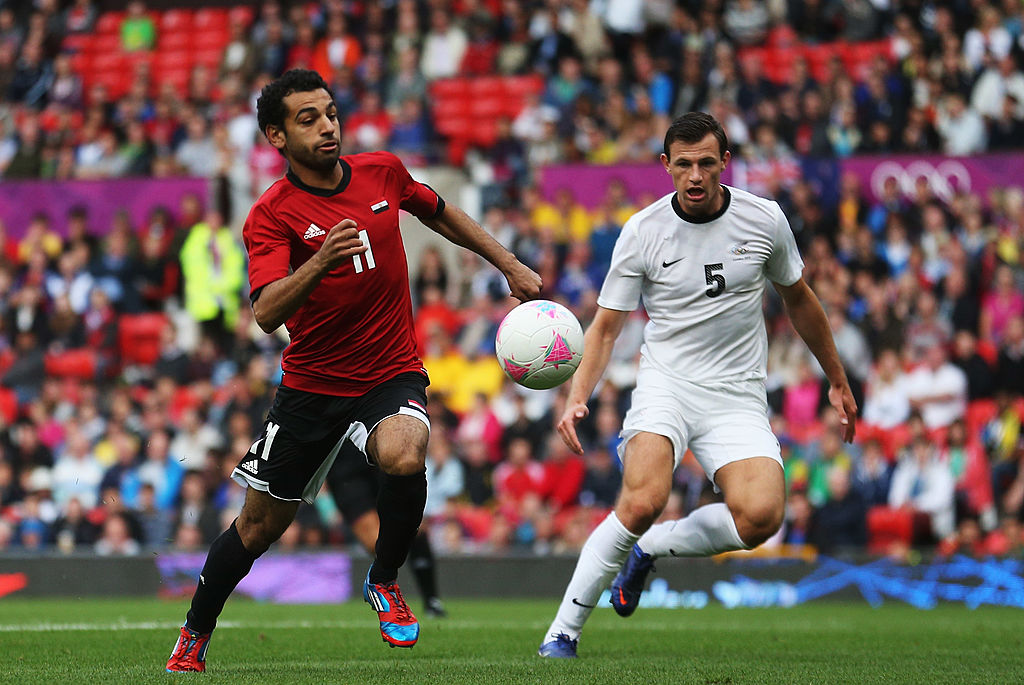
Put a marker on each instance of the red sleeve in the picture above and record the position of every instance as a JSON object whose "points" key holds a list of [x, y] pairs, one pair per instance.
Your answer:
{"points": [[268, 245], [418, 199]]}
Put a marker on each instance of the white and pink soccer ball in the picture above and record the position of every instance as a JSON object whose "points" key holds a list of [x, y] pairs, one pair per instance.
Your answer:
{"points": [[539, 344]]}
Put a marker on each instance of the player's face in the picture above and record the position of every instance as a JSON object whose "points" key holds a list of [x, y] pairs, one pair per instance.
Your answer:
{"points": [[311, 136], [695, 169]]}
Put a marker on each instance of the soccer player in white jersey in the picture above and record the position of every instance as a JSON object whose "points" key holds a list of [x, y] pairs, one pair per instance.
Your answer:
{"points": [[700, 258]]}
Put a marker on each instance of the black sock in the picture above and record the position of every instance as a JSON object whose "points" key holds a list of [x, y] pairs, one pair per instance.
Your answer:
{"points": [[422, 561], [227, 562], [400, 509]]}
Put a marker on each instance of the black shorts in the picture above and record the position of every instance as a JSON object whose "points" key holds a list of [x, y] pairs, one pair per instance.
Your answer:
{"points": [[305, 431], [353, 483]]}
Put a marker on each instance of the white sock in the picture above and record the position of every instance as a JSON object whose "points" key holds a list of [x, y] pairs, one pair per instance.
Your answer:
{"points": [[707, 530], [601, 558]]}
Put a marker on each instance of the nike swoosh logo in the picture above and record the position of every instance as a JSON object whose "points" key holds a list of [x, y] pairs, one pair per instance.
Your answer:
{"points": [[666, 265], [581, 604]]}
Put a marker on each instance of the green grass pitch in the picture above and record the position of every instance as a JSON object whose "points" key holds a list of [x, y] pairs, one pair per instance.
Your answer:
{"points": [[494, 642]]}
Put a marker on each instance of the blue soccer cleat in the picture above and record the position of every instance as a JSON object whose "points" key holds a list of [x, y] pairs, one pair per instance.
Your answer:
{"points": [[398, 627], [628, 585], [561, 647]]}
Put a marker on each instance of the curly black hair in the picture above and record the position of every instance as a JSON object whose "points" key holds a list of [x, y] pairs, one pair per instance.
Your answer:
{"points": [[270, 109], [692, 127]]}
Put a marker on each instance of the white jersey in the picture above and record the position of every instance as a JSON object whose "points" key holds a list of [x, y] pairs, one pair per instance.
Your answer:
{"points": [[702, 283]]}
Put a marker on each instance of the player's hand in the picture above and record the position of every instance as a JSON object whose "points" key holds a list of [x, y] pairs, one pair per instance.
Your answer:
{"points": [[573, 414], [523, 281], [341, 243], [840, 397]]}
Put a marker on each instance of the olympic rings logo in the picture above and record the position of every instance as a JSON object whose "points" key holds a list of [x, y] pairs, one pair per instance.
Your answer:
{"points": [[945, 179]]}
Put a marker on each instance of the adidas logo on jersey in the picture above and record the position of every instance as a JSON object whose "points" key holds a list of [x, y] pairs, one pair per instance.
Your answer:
{"points": [[251, 466], [313, 231]]}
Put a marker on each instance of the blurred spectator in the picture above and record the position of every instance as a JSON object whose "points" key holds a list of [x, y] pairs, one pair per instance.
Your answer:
{"points": [[195, 509], [938, 389], [872, 475], [445, 479], [156, 522], [337, 48], [73, 527], [601, 480], [969, 467], [961, 128], [1003, 303], [518, 476], [840, 523], [988, 39], [564, 472], [138, 30], [116, 539], [922, 483], [1010, 364], [213, 271], [443, 47], [76, 473], [980, 381]]}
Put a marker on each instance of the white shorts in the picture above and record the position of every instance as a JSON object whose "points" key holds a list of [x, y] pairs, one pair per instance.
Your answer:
{"points": [[720, 422]]}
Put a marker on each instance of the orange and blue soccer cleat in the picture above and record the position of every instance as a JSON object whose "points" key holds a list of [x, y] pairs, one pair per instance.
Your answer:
{"points": [[189, 655], [561, 647], [629, 584], [398, 626]]}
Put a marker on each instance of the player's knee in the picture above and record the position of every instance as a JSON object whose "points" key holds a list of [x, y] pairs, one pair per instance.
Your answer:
{"points": [[637, 511], [757, 521], [258, 534], [404, 464]]}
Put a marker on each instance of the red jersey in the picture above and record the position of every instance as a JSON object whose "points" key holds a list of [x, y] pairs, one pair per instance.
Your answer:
{"points": [[355, 330]]}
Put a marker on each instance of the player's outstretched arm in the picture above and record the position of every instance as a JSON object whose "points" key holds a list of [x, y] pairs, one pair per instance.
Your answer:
{"points": [[810, 322], [280, 299], [457, 226], [597, 350]]}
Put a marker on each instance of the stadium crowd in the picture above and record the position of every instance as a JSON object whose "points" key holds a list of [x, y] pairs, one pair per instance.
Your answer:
{"points": [[111, 449]]}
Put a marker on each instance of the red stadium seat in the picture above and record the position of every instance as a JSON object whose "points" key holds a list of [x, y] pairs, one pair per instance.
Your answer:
{"points": [[105, 43], [174, 40], [979, 412], [444, 90], [138, 337], [887, 527], [172, 61], [79, 363], [109, 23], [175, 20], [117, 81], [489, 108], [210, 40], [210, 18], [8, 405], [81, 62], [523, 85], [453, 127], [486, 87], [209, 57], [110, 61], [76, 42], [242, 13], [483, 132]]}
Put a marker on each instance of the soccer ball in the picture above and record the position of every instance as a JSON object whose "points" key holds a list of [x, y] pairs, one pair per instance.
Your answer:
{"points": [[539, 344]]}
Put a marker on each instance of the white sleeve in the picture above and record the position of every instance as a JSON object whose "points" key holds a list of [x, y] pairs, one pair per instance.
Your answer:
{"points": [[784, 266], [622, 285]]}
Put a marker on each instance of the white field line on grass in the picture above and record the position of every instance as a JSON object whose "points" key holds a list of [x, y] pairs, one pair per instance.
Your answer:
{"points": [[261, 625], [677, 625]]}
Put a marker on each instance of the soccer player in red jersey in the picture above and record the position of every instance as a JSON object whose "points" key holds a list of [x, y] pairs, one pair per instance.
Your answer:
{"points": [[326, 259]]}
